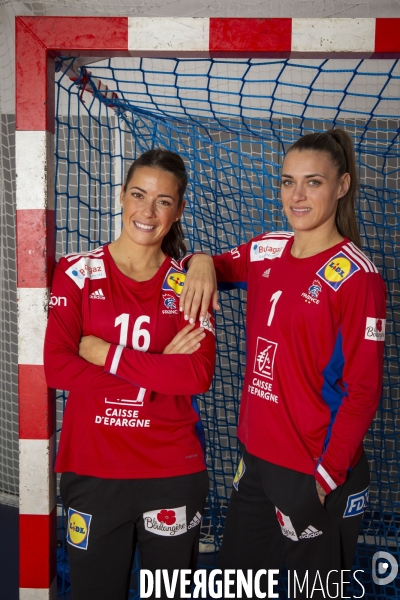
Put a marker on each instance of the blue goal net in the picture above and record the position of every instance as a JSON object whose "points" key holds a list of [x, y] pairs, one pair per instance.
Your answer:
{"points": [[231, 121]]}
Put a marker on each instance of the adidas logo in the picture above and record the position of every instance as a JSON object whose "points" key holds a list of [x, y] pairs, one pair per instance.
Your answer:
{"points": [[97, 295], [310, 532], [266, 273], [195, 521]]}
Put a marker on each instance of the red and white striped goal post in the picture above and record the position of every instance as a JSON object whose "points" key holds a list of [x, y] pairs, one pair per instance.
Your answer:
{"points": [[39, 40]]}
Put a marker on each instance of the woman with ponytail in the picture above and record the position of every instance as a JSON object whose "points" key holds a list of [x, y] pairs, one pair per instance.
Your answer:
{"points": [[315, 335], [131, 448]]}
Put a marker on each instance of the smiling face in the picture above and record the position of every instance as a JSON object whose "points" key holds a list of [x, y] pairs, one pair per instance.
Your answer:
{"points": [[150, 204], [310, 190]]}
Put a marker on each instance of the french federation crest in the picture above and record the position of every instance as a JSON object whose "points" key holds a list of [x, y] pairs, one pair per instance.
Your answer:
{"points": [[169, 301], [315, 289]]}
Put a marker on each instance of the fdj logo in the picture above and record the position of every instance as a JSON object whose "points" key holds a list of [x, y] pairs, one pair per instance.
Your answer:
{"points": [[78, 528], [381, 561], [356, 503]]}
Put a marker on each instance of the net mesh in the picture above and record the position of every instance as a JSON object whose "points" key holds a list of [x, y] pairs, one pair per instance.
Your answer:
{"points": [[231, 121], [8, 319]]}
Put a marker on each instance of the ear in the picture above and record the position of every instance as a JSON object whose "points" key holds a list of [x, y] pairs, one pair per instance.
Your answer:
{"points": [[180, 210], [344, 185], [121, 195]]}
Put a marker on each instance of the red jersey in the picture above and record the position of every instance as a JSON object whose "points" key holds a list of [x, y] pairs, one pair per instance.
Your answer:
{"points": [[134, 418], [315, 338]]}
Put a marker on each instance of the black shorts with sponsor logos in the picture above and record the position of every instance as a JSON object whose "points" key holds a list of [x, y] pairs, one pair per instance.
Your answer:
{"points": [[108, 518], [275, 517]]}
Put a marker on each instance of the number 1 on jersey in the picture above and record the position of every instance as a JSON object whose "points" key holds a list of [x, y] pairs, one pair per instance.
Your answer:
{"points": [[274, 299]]}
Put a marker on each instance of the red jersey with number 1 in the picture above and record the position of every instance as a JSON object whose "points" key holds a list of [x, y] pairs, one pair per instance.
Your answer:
{"points": [[315, 337], [134, 418]]}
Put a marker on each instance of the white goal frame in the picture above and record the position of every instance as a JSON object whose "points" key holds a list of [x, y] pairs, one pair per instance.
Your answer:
{"points": [[39, 40]]}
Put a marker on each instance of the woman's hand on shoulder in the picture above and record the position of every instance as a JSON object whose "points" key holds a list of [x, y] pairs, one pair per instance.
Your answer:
{"points": [[94, 350], [187, 341], [200, 288]]}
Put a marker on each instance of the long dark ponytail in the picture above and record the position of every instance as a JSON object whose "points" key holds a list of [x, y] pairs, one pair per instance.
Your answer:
{"points": [[171, 162], [338, 145]]}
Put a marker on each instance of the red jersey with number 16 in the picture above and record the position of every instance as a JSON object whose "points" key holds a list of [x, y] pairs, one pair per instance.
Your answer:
{"points": [[315, 337], [134, 418]]}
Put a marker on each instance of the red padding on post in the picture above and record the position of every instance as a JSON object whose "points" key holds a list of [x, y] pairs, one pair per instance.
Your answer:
{"points": [[34, 82], [35, 239], [387, 37], [39, 40], [37, 550], [251, 36], [83, 36], [37, 404]]}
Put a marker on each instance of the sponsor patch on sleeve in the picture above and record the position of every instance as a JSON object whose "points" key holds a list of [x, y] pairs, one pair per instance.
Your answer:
{"points": [[267, 249], [356, 503], [78, 528], [86, 268], [168, 522], [208, 323], [338, 269], [375, 329], [174, 281]]}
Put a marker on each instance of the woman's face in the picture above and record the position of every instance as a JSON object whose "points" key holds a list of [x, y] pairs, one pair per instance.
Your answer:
{"points": [[310, 190], [150, 206]]}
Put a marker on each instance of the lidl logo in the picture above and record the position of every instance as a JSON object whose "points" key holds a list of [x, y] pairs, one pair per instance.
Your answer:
{"points": [[239, 474], [338, 268], [174, 281], [78, 528]]}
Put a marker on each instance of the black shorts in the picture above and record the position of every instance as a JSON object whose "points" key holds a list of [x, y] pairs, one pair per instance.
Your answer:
{"points": [[107, 517], [275, 517]]}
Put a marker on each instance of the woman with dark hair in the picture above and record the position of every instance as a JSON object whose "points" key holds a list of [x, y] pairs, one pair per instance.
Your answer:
{"points": [[131, 447], [315, 334]]}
